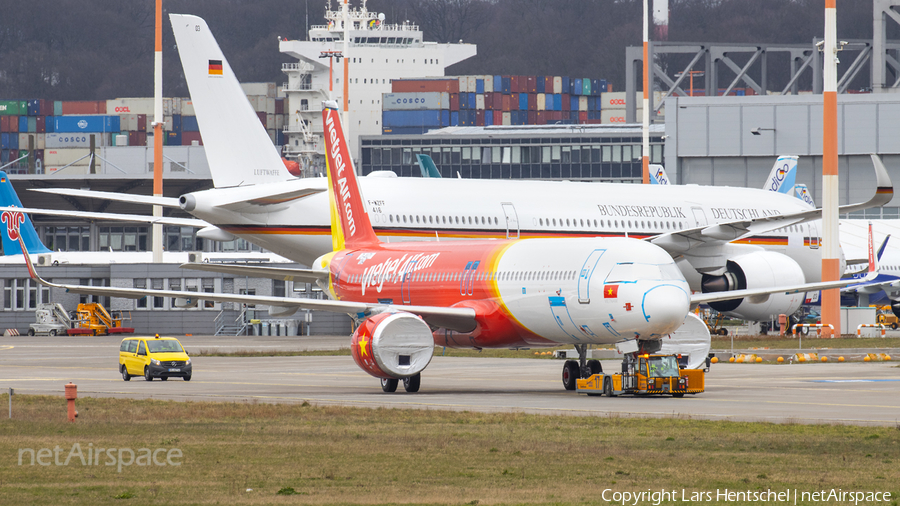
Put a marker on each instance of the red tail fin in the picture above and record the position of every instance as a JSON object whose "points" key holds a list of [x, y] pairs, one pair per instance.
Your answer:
{"points": [[355, 225], [872, 265]]}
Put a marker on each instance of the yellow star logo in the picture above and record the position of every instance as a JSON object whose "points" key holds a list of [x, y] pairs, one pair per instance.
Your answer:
{"points": [[362, 346], [610, 291]]}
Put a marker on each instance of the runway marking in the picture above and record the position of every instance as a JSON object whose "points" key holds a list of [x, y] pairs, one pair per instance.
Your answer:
{"points": [[7, 347], [855, 380]]}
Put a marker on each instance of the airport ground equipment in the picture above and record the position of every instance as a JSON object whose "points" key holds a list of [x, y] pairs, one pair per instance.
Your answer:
{"points": [[645, 374], [93, 319], [50, 319], [887, 317]]}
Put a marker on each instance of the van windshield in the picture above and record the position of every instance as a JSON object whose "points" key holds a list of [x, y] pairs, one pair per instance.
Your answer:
{"points": [[164, 346]]}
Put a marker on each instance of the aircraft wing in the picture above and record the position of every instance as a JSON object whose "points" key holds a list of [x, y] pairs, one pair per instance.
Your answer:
{"points": [[163, 220], [121, 197], [708, 235], [258, 271], [760, 295], [458, 319]]}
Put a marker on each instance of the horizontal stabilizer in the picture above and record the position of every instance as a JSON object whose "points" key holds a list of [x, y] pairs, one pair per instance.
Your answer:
{"points": [[119, 197], [162, 220]]}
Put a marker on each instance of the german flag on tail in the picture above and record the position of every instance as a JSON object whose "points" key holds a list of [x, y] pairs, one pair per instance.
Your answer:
{"points": [[215, 67]]}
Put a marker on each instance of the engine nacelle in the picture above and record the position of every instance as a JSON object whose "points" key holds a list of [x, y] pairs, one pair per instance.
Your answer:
{"points": [[895, 307], [757, 270], [392, 345]]}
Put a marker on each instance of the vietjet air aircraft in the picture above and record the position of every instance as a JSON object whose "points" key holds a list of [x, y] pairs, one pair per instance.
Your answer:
{"points": [[508, 293], [722, 238]]}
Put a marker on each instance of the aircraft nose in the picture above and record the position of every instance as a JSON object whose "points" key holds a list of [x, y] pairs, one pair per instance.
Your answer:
{"points": [[665, 307]]}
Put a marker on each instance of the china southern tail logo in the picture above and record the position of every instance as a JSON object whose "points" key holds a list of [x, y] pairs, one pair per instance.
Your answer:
{"points": [[12, 219]]}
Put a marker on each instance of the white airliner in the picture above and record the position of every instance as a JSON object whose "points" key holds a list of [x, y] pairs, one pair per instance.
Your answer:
{"points": [[510, 293], [722, 238]]}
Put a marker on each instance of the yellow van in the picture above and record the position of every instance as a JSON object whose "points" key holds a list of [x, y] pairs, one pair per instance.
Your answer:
{"points": [[153, 357]]}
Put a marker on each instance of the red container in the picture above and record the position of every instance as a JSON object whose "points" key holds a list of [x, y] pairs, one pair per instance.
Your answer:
{"points": [[454, 101], [532, 84], [593, 122], [488, 101], [505, 103], [532, 117], [41, 122], [188, 137], [90, 107], [532, 102], [262, 118], [554, 115], [142, 122], [514, 84], [514, 102], [479, 118], [279, 106], [425, 85], [548, 84], [4, 123], [582, 117], [540, 117], [45, 107], [566, 102]]}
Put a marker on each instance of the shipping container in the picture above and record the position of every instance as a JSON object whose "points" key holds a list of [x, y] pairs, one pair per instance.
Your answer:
{"points": [[514, 84], [137, 138], [479, 102], [264, 89], [582, 116], [548, 84], [557, 85], [262, 118], [497, 102], [454, 101], [449, 85], [514, 102], [463, 101], [4, 140], [531, 84], [57, 108], [445, 118], [84, 107], [595, 87], [11, 108], [540, 84], [454, 118], [50, 124], [32, 124], [541, 102], [506, 103], [463, 84], [479, 86], [411, 118], [67, 124], [591, 104], [279, 122], [65, 156], [4, 123], [498, 84], [270, 106], [46, 108], [23, 124], [577, 86], [41, 124], [582, 103], [173, 138], [507, 85], [531, 119], [472, 84], [471, 98], [506, 119], [33, 107], [76, 140], [188, 124], [566, 102], [415, 101], [532, 101], [564, 85], [488, 118], [488, 101], [612, 116], [479, 118], [27, 141], [557, 102], [270, 122]]}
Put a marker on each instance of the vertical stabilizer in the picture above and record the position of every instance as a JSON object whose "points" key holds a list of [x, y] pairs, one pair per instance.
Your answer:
{"points": [[658, 174], [238, 147], [346, 200], [427, 166], [15, 223], [783, 176]]}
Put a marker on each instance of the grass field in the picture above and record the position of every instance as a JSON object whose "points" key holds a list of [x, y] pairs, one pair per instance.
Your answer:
{"points": [[333, 455]]}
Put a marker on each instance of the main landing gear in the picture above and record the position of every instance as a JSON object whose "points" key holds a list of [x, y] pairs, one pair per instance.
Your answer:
{"points": [[410, 384], [581, 368]]}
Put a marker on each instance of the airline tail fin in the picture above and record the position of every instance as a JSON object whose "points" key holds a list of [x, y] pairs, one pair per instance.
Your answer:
{"points": [[873, 261], [658, 174], [783, 175], [802, 193], [350, 225], [427, 166], [238, 147], [882, 247], [16, 223]]}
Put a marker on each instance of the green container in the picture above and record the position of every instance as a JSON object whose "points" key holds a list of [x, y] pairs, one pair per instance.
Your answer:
{"points": [[10, 107], [57, 108]]}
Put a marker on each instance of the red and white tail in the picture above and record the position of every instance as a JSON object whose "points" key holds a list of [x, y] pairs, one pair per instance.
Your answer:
{"points": [[355, 229], [873, 266]]}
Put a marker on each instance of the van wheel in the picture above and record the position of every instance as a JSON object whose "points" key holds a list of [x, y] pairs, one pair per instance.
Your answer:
{"points": [[894, 326], [52, 332], [125, 375], [187, 378], [163, 378], [147, 374], [30, 332]]}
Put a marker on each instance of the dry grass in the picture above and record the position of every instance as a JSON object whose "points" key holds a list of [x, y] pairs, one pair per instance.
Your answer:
{"points": [[333, 455]]}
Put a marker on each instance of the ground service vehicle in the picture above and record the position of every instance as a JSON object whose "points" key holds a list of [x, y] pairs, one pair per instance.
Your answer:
{"points": [[887, 318], [93, 318], [154, 357], [645, 374], [50, 319]]}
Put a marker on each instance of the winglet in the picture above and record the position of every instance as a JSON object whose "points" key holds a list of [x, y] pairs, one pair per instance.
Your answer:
{"points": [[17, 223], [345, 196], [29, 265]]}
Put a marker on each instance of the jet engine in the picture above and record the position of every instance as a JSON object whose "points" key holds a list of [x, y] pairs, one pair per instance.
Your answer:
{"points": [[757, 270], [392, 345], [895, 307]]}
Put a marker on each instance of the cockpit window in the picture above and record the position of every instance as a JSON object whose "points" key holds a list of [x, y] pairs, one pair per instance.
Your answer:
{"points": [[630, 272]]}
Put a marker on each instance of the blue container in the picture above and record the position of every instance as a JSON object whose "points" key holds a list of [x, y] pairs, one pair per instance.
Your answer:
{"points": [[90, 124], [595, 87], [50, 124], [445, 117], [573, 115], [541, 81], [592, 103], [603, 87], [488, 118], [34, 107], [463, 101], [189, 124], [471, 98], [565, 84], [464, 118], [454, 118], [430, 118], [4, 141], [557, 102], [176, 126], [173, 138], [573, 103], [23, 124], [4, 156], [523, 101], [577, 86], [404, 130], [279, 136], [507, 86], [13, 142], [479, 86], [498, 84]]}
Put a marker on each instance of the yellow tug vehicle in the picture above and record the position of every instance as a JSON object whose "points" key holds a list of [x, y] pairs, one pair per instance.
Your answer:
{"points": [[645, 374]]}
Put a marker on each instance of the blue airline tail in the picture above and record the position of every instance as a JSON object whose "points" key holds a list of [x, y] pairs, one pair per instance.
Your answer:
{"points": [[14, 223]]}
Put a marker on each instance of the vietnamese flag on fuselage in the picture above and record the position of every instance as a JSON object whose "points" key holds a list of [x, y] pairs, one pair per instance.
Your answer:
{"points": [[610, 291]]}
